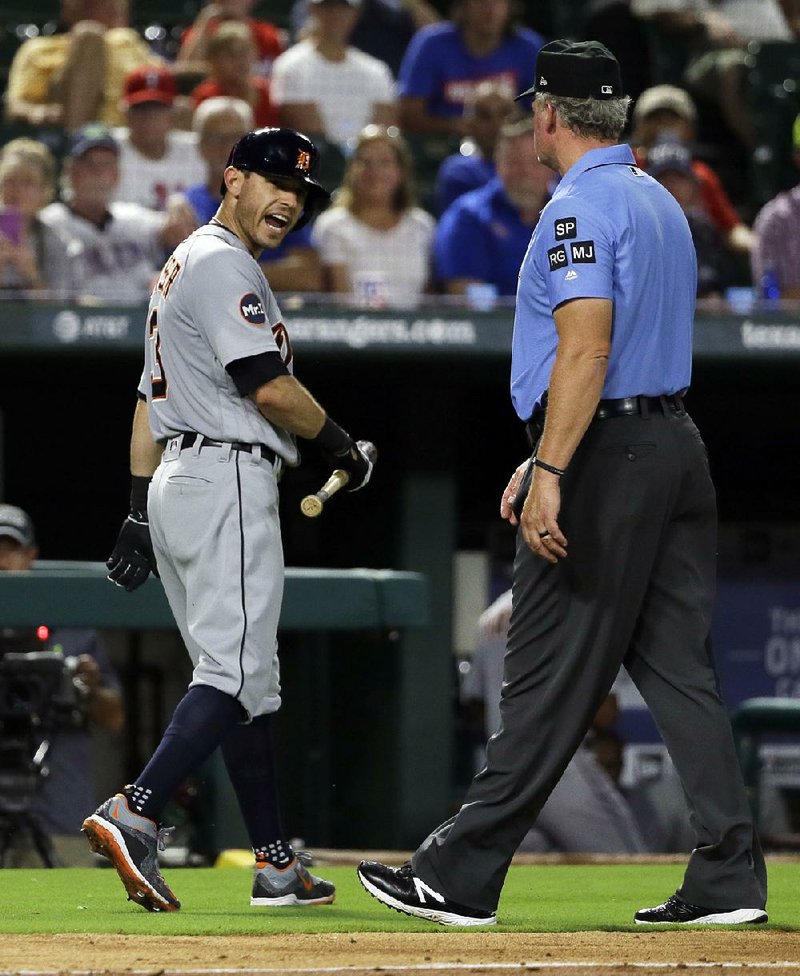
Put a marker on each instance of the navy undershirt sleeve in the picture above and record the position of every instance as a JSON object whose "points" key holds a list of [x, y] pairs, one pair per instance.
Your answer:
{"points": [[253, 371]]}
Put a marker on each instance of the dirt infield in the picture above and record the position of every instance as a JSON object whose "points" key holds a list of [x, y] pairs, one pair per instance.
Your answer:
{"points": [[442, 952]]}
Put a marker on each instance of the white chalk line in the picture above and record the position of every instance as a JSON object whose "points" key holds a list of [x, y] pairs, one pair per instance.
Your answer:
{"points": [[423, 967]]}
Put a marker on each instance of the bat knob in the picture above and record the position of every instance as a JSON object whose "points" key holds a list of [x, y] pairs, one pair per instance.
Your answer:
{"points": [[311, 506], [369, 449]]}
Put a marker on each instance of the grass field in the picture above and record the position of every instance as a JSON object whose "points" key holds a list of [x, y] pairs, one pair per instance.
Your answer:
{"points": [[542, 898]]}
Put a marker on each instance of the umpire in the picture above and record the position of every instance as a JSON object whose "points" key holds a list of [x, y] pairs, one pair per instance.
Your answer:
{"points": [[616, 547]]}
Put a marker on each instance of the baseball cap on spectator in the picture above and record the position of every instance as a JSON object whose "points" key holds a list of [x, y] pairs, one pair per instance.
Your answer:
{"points": [[95, 135], [17, 525], [665, 98], [150, 83], [576, 69], [669, 157]]}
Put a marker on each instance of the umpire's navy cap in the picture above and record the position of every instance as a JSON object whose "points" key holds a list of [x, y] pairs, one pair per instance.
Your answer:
{"points": [[576, 69]]}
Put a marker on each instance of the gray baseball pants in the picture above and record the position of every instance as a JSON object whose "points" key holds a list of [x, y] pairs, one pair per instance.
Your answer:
{"points": [[216, 536]]}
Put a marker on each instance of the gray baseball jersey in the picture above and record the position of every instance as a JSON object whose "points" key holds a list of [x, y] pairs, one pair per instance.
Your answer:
{"points": [[211, 306]]}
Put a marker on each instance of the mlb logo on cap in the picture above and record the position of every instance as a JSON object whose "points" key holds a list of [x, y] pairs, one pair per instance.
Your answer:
{"points": [[150, 83], [576, 69]]}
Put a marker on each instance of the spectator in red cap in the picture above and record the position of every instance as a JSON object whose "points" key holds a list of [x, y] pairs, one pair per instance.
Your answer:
{"points": [[666, 112], [231, 57], [269, 41], [156, 159]]}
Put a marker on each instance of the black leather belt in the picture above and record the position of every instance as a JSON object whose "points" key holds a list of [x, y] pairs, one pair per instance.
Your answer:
{"points": [[638, 404], [191, 438], [624, 407]]}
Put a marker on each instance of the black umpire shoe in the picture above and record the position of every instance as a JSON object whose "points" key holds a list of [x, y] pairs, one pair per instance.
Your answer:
{"points": [[401, 889], [676, 911]]}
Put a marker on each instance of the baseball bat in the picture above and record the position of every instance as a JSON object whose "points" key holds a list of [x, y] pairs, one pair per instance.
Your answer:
{"points": [[312, 505]]}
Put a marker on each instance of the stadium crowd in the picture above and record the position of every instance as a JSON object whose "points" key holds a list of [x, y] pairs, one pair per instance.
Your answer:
{"points": [[118, 121], [118, 118]]}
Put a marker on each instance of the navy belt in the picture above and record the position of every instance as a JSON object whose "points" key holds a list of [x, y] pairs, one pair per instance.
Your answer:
{"points": [[191, 438]]}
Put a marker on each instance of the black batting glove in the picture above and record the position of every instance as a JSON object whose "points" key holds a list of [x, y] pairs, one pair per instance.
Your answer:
{"points": [[339, 449], [358, 461], [133, 560]]}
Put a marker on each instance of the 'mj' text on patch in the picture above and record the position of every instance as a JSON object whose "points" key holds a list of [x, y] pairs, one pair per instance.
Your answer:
{"points": [[252, 309], [558, 257], [565, 227], [583, 252]]}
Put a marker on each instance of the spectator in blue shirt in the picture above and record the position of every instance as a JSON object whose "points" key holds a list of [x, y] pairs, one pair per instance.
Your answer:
{"points": [[219, 122], [485, 113], [445, 62], [483, 236]]}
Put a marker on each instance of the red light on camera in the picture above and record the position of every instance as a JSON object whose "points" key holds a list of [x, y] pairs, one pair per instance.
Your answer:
{"points": [[43, 633]]}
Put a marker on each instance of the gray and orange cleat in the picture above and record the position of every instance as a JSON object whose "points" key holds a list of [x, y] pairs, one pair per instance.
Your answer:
{"points": [[132, 842], [292, 885]]}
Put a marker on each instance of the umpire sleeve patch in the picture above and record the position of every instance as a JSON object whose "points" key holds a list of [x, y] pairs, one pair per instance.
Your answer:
{"points": [[253, 371], [583, 252], [558, 257], [565, 227]]}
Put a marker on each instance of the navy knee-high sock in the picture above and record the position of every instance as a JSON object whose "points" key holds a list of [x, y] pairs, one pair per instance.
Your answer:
{"points": [[249, 756], [204, 716]]}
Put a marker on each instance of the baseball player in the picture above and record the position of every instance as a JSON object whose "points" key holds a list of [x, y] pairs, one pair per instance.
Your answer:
{"points": [[616, 547], [218, 414]]}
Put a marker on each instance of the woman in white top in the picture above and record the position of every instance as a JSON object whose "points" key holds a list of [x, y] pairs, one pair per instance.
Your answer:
{"points": [[374, 242]]}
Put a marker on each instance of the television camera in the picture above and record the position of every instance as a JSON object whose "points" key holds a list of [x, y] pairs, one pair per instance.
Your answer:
{"points": [[40, 694]]}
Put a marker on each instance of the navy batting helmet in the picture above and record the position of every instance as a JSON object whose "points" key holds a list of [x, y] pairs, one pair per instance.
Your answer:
{"points": [[282, 152]]}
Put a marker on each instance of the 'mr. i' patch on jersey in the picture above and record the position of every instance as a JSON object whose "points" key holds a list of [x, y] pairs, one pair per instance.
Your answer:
{"points": [[583, 252], [565, 227], [252, 309], [558, 257]]}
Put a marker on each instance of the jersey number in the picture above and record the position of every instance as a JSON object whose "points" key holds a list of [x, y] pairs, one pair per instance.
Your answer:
{"points": [[158, 379]]}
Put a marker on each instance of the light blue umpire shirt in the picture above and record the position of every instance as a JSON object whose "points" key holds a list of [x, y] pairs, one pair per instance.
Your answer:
{"points": [[609, 231]]}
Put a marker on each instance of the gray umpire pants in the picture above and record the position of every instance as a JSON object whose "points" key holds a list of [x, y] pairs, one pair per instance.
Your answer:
{"points": [[639, 512]]}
